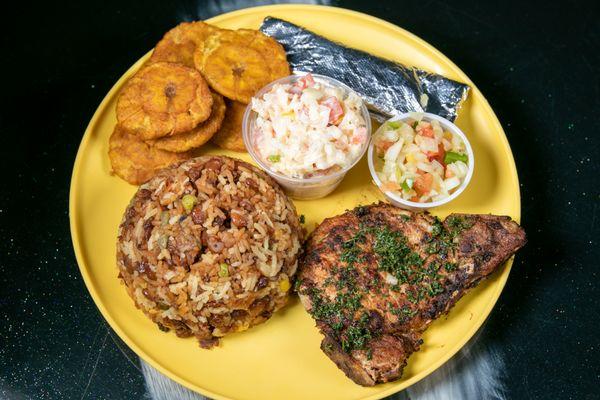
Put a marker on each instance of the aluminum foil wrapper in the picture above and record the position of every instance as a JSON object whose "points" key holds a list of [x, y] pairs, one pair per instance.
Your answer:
{"points": [[388, 88]]}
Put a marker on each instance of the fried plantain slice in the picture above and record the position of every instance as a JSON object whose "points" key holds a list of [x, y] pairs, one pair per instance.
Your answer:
{"points": [[229, 137], [134, 160], [239, 63], [180, 43], [163, 99], [197, 136]]}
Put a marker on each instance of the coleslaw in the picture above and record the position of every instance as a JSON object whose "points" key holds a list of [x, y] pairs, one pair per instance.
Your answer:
{"points": [[308, 128]]}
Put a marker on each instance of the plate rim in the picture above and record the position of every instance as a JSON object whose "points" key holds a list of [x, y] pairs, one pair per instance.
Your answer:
{"points": [[396, 30]]}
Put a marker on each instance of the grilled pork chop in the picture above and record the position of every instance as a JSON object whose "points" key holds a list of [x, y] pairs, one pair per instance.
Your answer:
{"points": [[375, 277]]}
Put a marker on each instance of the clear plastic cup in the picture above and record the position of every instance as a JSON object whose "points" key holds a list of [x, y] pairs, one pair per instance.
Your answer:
{"points": [[303, 188], [396, 199]]}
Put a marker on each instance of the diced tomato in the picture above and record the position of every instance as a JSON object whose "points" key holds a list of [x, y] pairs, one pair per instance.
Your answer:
{"points": [[425, 129], [383, 145], [441, 154], [336, 112], [415, 199], [306, 81], [437, 155], [423, 183]]}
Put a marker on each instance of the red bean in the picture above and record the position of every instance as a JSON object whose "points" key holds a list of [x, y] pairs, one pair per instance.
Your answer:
{"points": [[237, 218], [194, 173], [247, 205], [144, 194], [215, 245], [214, 164], [144, 269], [239, 314], [148, 229], [263, 281], [251, 183], [198, 216]]}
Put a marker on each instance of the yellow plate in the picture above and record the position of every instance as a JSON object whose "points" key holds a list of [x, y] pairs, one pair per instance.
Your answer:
{"points": [[281, 359]]}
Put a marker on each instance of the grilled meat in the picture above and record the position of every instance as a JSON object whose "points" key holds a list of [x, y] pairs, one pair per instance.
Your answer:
{"points": [[375, 277]]}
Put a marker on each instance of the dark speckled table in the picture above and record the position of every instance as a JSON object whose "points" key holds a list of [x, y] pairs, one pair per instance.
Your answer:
{"points": [[537, 63]]}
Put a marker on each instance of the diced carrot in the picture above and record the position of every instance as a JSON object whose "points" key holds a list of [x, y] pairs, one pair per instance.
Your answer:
{"points": [[415, 199], [423, 183], [336, 112]]}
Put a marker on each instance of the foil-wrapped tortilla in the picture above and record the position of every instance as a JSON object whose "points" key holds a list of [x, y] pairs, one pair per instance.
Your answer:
{"points": [[388, 88]]}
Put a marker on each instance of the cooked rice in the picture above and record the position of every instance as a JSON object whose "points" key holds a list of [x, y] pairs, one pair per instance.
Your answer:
{"points": [[170, 259]]}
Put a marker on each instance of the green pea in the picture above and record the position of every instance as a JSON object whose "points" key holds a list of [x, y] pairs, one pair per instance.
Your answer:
{"points": [[223, 270], [189, 201]]}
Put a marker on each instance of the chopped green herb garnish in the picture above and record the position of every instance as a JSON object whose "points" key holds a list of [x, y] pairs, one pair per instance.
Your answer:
{"points": [[274, 158], [357, 334], [451, 157], [337, 325], [437, 228], [449, 266], [434, 288], [458, 223], [442, 240], [395, 256], [414, 297], [344, 314], [302, 219], [297, 284], [351, 250], [403, 313]]}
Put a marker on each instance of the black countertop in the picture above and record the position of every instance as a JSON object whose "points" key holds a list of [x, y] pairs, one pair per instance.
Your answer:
{"points": [[537, 64]]}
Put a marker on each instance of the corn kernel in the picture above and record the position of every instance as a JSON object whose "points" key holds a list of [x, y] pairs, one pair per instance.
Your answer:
{"points": [[284, 285]]}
